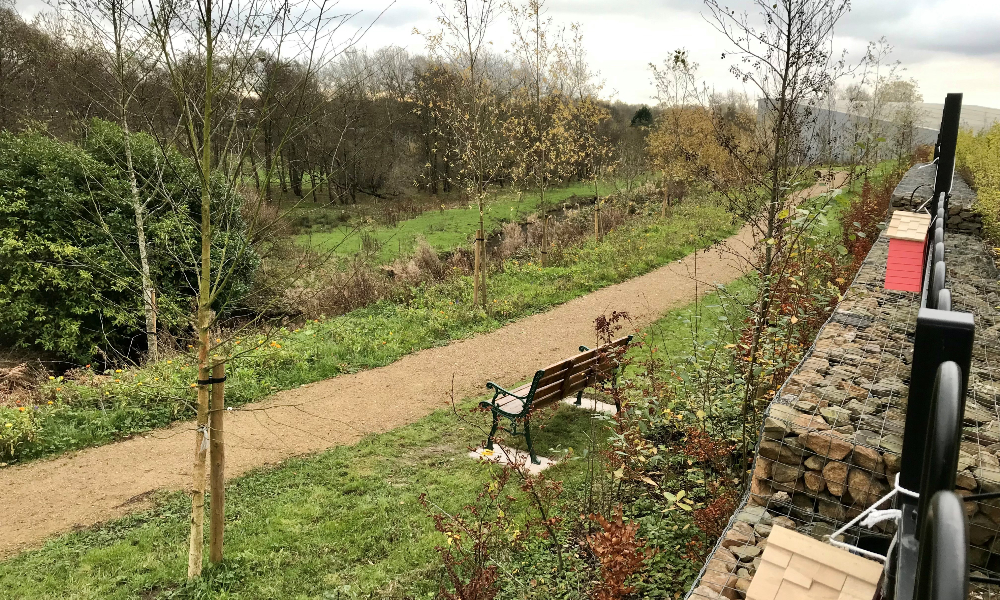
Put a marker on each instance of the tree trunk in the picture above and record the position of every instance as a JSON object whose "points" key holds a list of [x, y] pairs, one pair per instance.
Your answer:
{"points": [[196, 550], [148, 293], [256, 174], [268, 162], [281, 173], [545, 238], [482, 257], [204, 317]]}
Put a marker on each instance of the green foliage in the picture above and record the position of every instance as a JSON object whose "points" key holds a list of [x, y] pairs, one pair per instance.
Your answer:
{"points": [[18, 427], [444, 230], [978, 158], [48, 298], [87, 413], [642, 117], [69, 277]]}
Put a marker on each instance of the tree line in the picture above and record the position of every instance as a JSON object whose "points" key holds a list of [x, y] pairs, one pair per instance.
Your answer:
{"points": [[332, 126]]}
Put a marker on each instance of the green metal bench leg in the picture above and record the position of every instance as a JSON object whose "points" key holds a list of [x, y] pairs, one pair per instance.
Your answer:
{"points": [[579, 398], [527, 439], [493, 431]]}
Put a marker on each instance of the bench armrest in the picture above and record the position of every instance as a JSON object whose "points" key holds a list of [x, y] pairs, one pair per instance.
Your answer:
{"points": [[584, 348], [502, 392]]}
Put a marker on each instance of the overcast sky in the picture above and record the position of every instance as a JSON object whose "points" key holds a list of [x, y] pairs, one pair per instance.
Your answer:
{"points": [[946, 45]]}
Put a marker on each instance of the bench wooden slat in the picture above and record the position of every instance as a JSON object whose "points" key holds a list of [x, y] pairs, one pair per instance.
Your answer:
{"points": [[563, 389], [552, 375], [564, 377], [579, 362], [587, 364]]}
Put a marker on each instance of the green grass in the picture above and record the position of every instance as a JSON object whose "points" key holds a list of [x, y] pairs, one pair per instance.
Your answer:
{"points": [[346, 523], [444, 229], [84, 415], [841, 202]]}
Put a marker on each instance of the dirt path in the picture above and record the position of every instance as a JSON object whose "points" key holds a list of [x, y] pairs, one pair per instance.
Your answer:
{"points": [[48, 497]]}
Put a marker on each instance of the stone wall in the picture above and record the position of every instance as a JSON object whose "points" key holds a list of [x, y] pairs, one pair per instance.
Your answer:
{"points": [[830, 442], [916, 187]]}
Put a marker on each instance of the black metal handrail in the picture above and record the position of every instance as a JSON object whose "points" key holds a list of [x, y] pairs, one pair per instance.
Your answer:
{"points": [[930, 558], [944, 431], [943, 562]]}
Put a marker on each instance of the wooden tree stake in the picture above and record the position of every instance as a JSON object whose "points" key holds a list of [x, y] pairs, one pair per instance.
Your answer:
{"points": [[217, 448], [597, 219], [475, 272], [545, 238], [482, 266]]}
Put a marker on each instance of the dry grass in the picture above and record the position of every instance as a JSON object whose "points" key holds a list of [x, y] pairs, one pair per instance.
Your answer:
{"points": [[19, 381]]}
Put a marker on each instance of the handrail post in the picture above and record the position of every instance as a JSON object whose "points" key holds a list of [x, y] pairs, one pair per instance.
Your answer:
{"points": [[948, 137], [940, 336]]}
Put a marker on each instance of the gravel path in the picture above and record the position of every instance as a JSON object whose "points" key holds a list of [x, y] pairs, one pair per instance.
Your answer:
{"points": [[48, 497]]}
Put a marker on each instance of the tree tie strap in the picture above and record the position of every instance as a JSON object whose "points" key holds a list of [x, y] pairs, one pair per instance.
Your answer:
{"points": [[211, 380]]}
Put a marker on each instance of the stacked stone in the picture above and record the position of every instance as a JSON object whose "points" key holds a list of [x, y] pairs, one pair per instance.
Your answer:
{"points": [[831, 442], [917, 186]]}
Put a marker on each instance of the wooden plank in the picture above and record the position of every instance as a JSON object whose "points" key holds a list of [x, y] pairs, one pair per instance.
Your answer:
{"points": [[555, 372], [564, 388], [567, 377], [583, 367], [570, 366], [556, 397]]}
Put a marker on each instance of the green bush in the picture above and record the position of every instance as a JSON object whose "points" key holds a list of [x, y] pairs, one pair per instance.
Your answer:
{"points": [[17, 428], [978, 158], [69, 282]]}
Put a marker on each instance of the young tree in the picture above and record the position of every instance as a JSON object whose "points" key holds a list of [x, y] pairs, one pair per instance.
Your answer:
{"points": [[868, 106], [680, 141], [211, 76], [471, 116], [785, 56], [534, 50]]}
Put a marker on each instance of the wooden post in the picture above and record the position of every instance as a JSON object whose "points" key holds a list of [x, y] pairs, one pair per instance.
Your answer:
{"points": [[482, 265], [545, 237], [475, 272], [597, 219], [218, 456]]}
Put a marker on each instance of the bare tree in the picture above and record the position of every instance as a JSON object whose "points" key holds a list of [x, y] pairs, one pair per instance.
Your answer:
{"points": [[472, 115], [212, 51], [120, 40], [784, 53]]}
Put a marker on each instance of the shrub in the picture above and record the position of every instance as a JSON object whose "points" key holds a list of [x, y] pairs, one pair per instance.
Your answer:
{"points": [[17, 428], [978, 159], [69, 282], [621, 553]]}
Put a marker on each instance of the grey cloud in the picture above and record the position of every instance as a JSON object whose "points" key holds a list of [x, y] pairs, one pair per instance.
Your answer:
{"points": [[633, 8], [386, 15], [917, 26]]}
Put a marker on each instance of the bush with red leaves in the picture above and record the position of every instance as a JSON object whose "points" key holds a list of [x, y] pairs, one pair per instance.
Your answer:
{"points": [[621, 553]]}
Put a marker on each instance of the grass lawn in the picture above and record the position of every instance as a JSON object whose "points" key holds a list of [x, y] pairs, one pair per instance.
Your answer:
{"points": [[346, 523], [152, 396], [444, 229]]}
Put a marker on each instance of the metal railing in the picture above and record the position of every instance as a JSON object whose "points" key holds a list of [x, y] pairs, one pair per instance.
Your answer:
{"points": [[930, 557]]}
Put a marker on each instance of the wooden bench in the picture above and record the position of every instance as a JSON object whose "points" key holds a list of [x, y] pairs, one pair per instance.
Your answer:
{"points": [[552, 384]]}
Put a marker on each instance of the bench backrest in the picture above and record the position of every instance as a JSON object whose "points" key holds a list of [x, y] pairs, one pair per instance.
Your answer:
{"points": [[568, 377]]}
